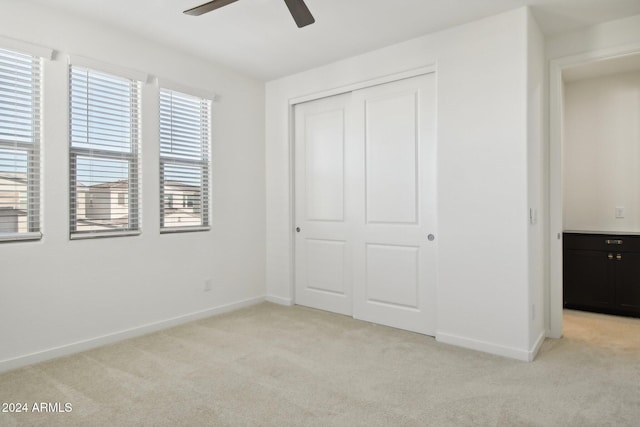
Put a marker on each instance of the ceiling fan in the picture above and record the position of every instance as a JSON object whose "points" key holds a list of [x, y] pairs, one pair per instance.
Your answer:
{"points": [[298, 9]]}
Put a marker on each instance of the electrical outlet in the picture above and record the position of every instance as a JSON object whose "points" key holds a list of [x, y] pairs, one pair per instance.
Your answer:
{"points": [[619, 212], [208, 284]]}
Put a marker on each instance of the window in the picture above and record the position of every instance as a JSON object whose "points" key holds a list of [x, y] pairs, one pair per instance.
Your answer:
{"points": [[184, 161], [19, 146], [104, 150]]}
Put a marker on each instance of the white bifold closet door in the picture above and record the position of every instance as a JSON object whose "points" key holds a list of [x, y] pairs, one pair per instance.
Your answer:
{"points": [[365, 203]]}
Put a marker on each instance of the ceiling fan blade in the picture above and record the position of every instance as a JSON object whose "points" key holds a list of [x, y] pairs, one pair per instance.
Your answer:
{"points": [[300, 12], [208, 7]]}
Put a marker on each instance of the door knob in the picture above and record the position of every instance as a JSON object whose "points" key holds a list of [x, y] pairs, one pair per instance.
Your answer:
{"points": [[297, 229], [431, 237]]}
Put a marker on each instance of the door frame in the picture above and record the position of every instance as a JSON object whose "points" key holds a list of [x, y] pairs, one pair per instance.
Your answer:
{"points": [[415, 72], [556, 171]]}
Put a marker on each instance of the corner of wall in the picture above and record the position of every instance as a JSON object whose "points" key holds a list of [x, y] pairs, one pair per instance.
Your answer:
{"points": [[536, 158]]}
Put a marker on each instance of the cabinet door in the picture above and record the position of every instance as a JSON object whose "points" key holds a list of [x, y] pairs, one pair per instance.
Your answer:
{"points": [[588, 279], [628, 282]]}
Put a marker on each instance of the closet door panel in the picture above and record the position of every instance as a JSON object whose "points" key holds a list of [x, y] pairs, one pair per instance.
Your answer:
{"points": [[323, 245], [394, 260]]}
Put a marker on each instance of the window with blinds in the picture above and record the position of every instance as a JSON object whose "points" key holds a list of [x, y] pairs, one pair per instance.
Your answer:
{"points": [[19, 146], [104, 150], [184, 162]]}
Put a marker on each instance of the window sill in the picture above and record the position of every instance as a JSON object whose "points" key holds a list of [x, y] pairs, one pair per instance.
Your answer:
{"points": [[172, 230], [98, 235], [19, 237]]}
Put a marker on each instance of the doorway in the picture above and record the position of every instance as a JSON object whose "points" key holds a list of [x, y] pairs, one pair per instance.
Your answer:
{"points": [[365, 204], [584, 66]]}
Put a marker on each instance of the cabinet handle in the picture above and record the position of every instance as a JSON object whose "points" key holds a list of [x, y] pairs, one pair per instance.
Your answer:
{"points": [[613, 242], [619, 257], [610, 256]]}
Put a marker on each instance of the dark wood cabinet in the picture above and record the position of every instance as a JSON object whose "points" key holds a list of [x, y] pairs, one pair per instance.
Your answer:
{"points": [[628, 283], [601, 272]]}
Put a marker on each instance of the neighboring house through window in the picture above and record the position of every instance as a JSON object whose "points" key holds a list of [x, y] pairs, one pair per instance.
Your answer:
{"points": [[184, 161], [20, 78]]}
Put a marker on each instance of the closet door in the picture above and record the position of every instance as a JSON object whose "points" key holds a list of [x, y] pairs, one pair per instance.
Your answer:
{"points": [[394, 258], [324, 228], [365, 203]]}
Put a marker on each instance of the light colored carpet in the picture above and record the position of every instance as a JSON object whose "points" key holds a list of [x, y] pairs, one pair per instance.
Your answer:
{"points": [[291, 366]]}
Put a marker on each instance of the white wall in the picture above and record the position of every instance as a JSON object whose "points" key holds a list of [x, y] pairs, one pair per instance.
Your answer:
{"points": [[482, 70], [602, 153], [620, 33], [537, 158], [58, 295]]}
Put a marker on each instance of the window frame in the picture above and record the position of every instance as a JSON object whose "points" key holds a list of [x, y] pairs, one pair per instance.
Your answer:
{"points": [[32, 150], [133, 157], [204, 164]]}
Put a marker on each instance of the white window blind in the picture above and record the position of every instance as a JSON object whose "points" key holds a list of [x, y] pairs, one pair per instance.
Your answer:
{"points": [[184, 161], [104, 151], [19, 146]]}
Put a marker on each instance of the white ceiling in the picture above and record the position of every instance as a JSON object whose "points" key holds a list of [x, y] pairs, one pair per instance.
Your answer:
{"points": [[260, 39]]}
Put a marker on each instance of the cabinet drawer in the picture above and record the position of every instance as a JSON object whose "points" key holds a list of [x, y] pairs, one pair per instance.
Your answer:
{"points": [[602, 242]]}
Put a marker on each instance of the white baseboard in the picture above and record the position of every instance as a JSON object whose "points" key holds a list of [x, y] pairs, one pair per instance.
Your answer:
{"points": [[279, 300], [76, 347], [487, 347], [536, 347]]}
